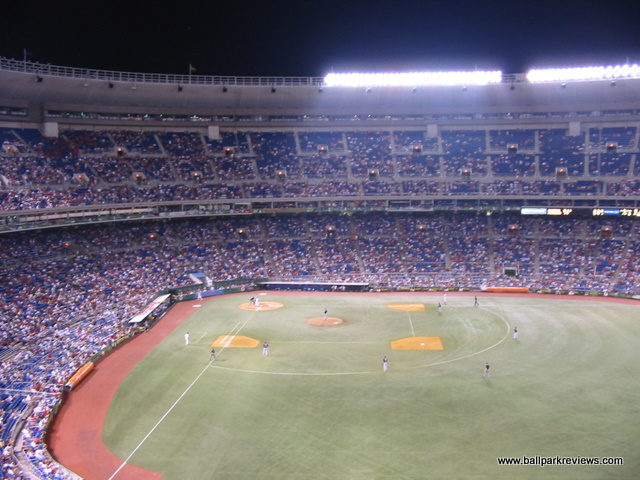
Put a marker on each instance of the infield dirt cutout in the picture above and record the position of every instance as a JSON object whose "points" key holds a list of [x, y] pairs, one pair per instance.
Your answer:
{"points": [[235, 341], [262, 306], [407, 307]]}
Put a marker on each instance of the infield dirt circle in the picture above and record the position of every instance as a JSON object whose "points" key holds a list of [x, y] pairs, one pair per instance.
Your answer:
{"points": [[325, 322], [263, 306]]}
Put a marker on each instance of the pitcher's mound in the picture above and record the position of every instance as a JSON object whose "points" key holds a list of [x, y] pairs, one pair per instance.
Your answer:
{"points": [[329, 322]]}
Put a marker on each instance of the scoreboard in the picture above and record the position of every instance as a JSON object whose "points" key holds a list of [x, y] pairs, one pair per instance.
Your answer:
{"points": [[581, 212]]}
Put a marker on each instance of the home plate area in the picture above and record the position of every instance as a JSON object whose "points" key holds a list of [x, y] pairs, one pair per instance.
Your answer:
{"points": [[325, 321], [417, 343]]}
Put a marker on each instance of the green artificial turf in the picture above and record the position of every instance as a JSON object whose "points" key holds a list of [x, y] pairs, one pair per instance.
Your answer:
{"points": [[319, 407]]}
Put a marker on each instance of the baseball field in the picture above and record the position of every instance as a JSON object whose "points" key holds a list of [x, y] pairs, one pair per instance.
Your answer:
{"points": [[319, 406]]}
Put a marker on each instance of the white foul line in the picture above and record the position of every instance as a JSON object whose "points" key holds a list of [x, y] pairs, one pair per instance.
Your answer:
{"points": [[237, 328], [413, 333], [235, 331], [157, 424]]}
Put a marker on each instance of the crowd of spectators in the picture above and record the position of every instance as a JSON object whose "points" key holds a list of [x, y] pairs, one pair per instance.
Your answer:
{"points": [[68, 293], [99, 167], [414, 141], [510, 164], [622, 137], [370, 151], [520, 138], [317, 142], [43, 197]]}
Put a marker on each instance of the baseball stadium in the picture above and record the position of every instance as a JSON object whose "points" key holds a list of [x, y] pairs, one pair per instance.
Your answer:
{"points": [[352, 277]]}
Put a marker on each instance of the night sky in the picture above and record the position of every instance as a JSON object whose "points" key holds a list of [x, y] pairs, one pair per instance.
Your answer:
{"points": [[305, 38]]}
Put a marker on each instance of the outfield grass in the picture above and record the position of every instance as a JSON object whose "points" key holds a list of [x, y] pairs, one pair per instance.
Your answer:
{"points": [[319, 407]]}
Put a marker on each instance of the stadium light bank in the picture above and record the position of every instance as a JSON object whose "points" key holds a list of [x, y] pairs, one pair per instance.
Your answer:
{"points": [[584, 73], [541, 75], [415, 79]]}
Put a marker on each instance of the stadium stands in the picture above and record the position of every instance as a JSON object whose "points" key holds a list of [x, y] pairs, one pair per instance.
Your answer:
{"points": [[433, 205], [62, 172]]}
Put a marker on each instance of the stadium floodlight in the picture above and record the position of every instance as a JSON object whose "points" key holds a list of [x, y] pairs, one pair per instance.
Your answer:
{"points": [[583, 73], [415, 79]]}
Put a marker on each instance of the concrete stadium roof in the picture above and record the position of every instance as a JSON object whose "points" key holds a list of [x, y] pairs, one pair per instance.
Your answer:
{"points": [[44, 87]]}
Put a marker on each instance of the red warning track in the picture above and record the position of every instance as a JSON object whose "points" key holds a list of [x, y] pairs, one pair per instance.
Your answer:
{"points": [[75, 438]]}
